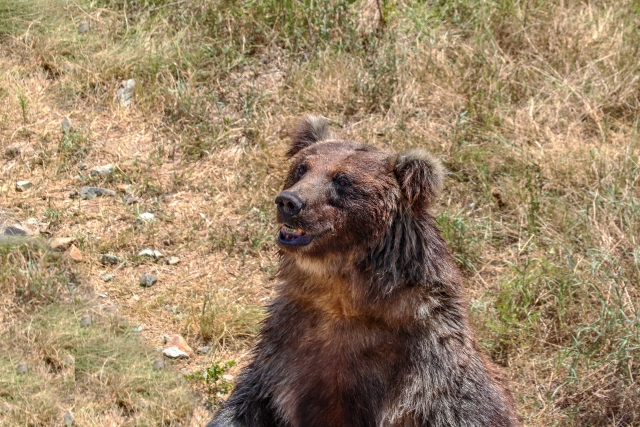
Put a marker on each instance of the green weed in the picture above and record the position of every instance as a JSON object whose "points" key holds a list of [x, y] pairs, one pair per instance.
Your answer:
{"points": [[213, 378]]}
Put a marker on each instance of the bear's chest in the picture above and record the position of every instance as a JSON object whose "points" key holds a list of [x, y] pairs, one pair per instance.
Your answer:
{"points": [[339, 373]]}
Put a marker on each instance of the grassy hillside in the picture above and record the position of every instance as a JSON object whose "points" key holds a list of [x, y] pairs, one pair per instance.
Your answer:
{"points": [[533, 106]]}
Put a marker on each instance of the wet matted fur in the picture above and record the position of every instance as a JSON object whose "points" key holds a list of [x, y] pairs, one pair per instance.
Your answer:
{"points": [[369, 327]]}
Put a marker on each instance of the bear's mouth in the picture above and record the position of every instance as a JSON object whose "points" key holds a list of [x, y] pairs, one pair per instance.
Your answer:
{"points": [[294, 236]]}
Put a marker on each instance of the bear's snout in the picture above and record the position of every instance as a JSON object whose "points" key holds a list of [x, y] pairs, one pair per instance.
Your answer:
{"points": [[289, 205]]}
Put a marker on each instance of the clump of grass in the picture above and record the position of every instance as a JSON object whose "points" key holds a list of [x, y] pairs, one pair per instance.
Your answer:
{"points": [[15, 16], [74, 145], [24, 107], [31, 274], [462, 242], [374, 87], [225, 322]]}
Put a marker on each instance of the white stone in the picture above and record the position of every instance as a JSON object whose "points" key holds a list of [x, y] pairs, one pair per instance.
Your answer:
{"points": [[68, 418], [147, 216], [147, 252], [175, 353], [125, 93], [23, 185], [102, 170], [66, 125]]}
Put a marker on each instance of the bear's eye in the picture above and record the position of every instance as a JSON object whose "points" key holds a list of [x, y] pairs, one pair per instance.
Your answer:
{"points": [[342, 181], [301, 170]]}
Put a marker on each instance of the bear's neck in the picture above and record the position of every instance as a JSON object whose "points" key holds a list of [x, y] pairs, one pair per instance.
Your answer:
{"points": [[411, 253], [340, 289]]}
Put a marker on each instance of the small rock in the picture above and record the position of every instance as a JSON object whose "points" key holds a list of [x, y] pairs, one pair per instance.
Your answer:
{"points": [[68, 418], [175, 353], [107, 277], [124, 188], [32, 221], [84, 28], [124, 94], [66, 125], [61, 244], [147, 217], [6, 408], [12, 151], [176, 347], [23, 185], [143, 403], [85, 321], [173, 260], [147, 252], [227, 377], [138, 328], [110, 308], [22, 368], [150, 253], [158, 364], [104, 295], [204, 349], [67, 66], [102, 170], [89, 193], [69, 360], [15, 230], [75, 254], [129, 199], [108, 259], [83, 166], [148, 280]]}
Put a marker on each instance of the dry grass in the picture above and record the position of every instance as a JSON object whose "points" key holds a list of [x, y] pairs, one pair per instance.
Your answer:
{"points": [[532, 105], [100, 372]]}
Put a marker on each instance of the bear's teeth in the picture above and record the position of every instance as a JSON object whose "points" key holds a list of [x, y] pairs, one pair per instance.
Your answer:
{"points": [[292, 230]]}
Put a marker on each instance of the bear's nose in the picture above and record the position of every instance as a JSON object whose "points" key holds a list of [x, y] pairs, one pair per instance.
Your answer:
{"points": [[289, 205]]}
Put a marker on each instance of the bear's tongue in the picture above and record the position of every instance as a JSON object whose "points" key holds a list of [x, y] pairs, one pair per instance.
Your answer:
{"points": [[289, 233]]}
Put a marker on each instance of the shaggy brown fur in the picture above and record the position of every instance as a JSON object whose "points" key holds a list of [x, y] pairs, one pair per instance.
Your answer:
{"points": [[369, 327]]}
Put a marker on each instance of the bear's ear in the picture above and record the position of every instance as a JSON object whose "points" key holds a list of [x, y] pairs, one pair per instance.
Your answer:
{"points": [[308, 131], [420, 176]]}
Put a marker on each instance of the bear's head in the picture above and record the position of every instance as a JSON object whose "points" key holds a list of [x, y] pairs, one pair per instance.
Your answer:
{"points": [[343, 198]]}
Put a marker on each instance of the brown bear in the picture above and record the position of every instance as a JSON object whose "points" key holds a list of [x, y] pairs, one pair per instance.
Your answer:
{"points": [[369, 327]]}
